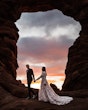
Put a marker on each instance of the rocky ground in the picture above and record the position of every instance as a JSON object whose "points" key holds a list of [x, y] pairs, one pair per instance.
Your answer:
{"points": [[10, 102], [14, 103]]}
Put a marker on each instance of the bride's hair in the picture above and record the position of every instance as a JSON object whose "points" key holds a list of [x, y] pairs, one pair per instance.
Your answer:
{"points": [[43, 68]]}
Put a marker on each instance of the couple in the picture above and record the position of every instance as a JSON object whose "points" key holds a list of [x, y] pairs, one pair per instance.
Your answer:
{"points": [[46, 93]]}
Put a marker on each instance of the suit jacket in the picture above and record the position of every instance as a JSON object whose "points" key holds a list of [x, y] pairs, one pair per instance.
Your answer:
{"points": [[30, 75]]}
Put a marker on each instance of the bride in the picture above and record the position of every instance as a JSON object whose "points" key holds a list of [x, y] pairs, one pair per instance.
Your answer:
{"points": [[47, 94]]}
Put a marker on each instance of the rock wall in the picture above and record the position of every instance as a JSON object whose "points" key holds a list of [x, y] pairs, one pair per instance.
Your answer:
{"points": [[77, 65], [8, 49]]}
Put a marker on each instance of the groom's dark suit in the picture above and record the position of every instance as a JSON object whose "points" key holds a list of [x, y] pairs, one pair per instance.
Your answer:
{"points": [[30, 76]]}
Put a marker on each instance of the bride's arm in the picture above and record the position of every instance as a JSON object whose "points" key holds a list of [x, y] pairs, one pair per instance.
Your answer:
{"points": [[38, 78]]}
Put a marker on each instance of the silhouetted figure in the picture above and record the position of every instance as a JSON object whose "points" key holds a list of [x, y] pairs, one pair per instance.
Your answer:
{"points": [[30, 77]]}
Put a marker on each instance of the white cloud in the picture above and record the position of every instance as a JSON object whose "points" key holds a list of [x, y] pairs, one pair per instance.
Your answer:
{"points": [[48, 24]]}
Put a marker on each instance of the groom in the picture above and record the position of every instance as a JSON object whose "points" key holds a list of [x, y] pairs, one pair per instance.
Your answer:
{"points": [[30, 77]]}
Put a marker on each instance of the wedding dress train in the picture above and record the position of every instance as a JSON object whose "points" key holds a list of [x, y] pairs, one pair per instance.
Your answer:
{"points": [[47, 94]]}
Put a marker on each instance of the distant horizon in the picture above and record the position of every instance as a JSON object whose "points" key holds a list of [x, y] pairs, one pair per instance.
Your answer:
{"points": [[57, 80]]}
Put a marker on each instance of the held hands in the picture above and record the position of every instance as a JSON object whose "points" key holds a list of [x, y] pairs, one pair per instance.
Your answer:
{"points": [[34, 80]]}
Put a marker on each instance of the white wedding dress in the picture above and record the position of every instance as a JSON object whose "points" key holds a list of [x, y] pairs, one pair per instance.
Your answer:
{"points": [[47, 94]]}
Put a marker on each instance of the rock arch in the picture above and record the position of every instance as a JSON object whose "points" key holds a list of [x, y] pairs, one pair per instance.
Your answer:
{"points": [[77, 65]]}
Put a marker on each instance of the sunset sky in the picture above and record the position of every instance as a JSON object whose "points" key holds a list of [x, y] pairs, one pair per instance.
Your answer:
{"points": [[44, 41]]}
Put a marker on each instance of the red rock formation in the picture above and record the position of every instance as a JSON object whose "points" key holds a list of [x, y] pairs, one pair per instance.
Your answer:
{"points": [[77, 65]]}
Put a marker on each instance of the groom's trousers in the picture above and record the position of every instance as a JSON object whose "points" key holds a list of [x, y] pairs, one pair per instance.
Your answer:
{"points": [[30, 90]]}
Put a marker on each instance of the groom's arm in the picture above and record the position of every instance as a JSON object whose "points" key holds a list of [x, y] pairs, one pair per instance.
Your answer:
{"points": [[38, 78], [33, 75]]}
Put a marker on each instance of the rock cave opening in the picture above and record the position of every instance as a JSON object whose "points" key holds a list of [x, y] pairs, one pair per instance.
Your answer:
{"points": [[44, 41], [12, 91]]}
